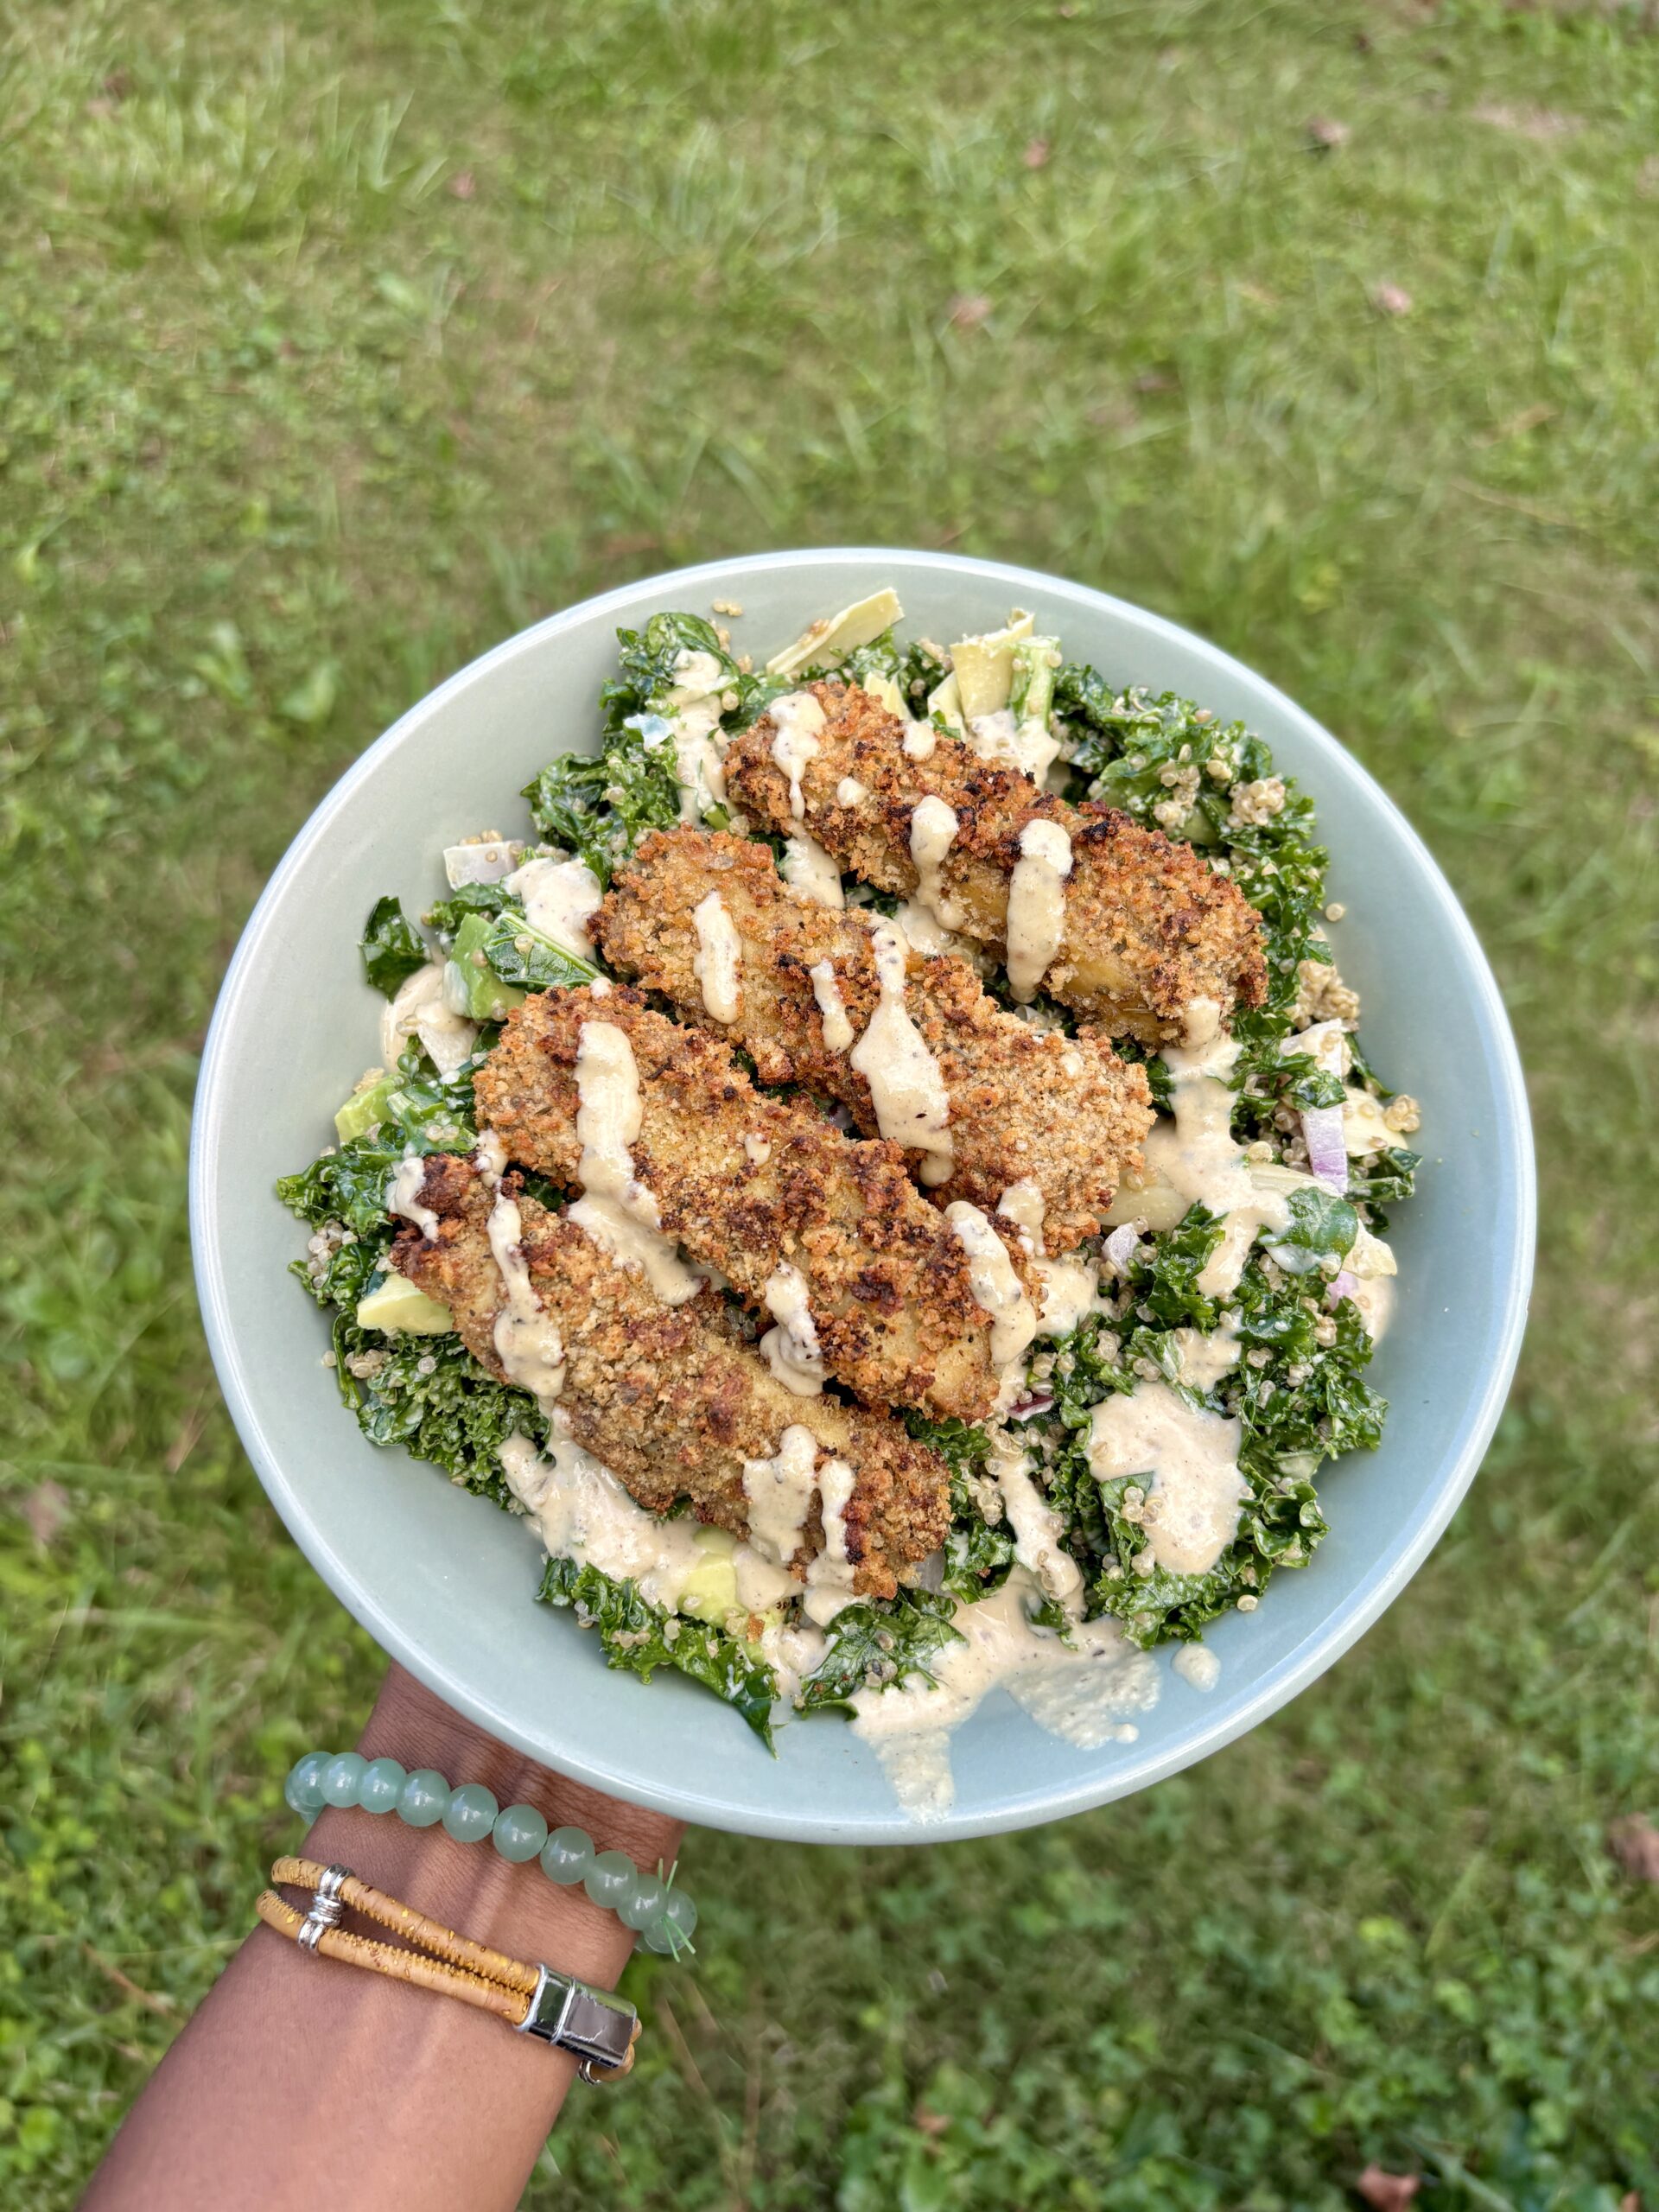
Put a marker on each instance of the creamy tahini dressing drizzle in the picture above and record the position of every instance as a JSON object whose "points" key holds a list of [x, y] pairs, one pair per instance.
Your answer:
{"points": [[527, 1344], [719, 957], [1082, 1693], [693, 715], [912, 1107], [1192, 1457], [403, 1195], [1205, 1358], [1196, 1665], [1029, 746], [919, 739], [791, 1348], [1036, 919], [1024, 1205], [1374, 1295], [926, 935], [616, 1209], [1194, 1158], [850, 792], [582, 1512], [561, 898], [932, 826], [1071, 1290], [829, 1576], [1038, 1533], [826, 989], [994, 1282], [779, 1492], [797, 718], [810, 872]]}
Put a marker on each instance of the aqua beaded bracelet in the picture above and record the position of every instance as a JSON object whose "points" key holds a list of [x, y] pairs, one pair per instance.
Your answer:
{"points": [[662, 1916]]}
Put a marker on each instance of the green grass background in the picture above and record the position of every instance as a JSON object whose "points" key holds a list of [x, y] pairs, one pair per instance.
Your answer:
{"points": [[337, 343]]}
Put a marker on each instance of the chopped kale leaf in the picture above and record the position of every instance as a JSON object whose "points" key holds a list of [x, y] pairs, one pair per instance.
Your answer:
{"points": [[1322, 1226], [1164, 1277], [1394, 1178], [521, 955], [449, 914], [1288, 1427], [599, 806], [978, 1551], [639, 1637], [430, 1394], [347, 1184], [877, 1646], [391, 947]]}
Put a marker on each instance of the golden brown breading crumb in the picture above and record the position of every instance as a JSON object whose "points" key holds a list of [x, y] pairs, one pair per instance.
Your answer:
{"points": [[1149, 925], [1026, 1105], [748, 1183], [670, 1398]]}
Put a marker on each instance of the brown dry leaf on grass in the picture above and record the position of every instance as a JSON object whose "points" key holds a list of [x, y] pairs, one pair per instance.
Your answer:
{"points": [[1539, 123], [46, 1509], [1633, 1841], [968, 310], [1387, 2192], [1036, 154]]}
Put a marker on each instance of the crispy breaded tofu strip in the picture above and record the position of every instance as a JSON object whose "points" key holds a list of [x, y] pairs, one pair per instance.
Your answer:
{"points": [[670, 1398], [750, 1185], [1149, 926], [1027, 1106]]}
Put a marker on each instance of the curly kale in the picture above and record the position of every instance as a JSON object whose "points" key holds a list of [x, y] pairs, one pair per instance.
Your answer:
{"points": [[599, 806], [978, 1551], [423, 1112], [651, 662], [639, 1637], [878, 1646], [430, 1394], [1394, 1178], [1288, 1427]]}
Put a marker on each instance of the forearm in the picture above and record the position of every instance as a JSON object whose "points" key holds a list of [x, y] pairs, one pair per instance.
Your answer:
{"points": [[302, 2082]]}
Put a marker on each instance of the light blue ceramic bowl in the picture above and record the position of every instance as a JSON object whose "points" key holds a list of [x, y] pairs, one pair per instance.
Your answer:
{"points": [[445, 1584]]}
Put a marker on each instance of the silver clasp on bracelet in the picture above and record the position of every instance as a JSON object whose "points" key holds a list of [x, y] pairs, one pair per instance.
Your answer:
{"points": [[325, 1907], [570, 2016]]}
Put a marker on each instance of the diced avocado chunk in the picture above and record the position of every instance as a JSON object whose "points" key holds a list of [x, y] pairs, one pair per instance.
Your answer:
{"points": [[709, 1592], [831, 639], [983, 667], [366, 1106], [397, 1308], [484, 996]]}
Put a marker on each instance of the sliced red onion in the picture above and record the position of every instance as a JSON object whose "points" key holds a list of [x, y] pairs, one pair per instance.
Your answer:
{"points": [[1327, 1149], [1120, 1247], [1028, 1408], [1341, 1286]]}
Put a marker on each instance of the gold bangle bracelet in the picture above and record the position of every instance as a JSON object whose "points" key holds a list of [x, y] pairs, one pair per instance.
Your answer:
{"points": [[535, 2000]]}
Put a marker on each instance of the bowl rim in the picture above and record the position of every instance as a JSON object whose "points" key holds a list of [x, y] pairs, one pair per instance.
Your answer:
{"points": [[1298, 1666]]}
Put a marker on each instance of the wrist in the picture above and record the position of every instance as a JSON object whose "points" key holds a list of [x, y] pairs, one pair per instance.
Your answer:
{"points": [[469, 1886]]}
